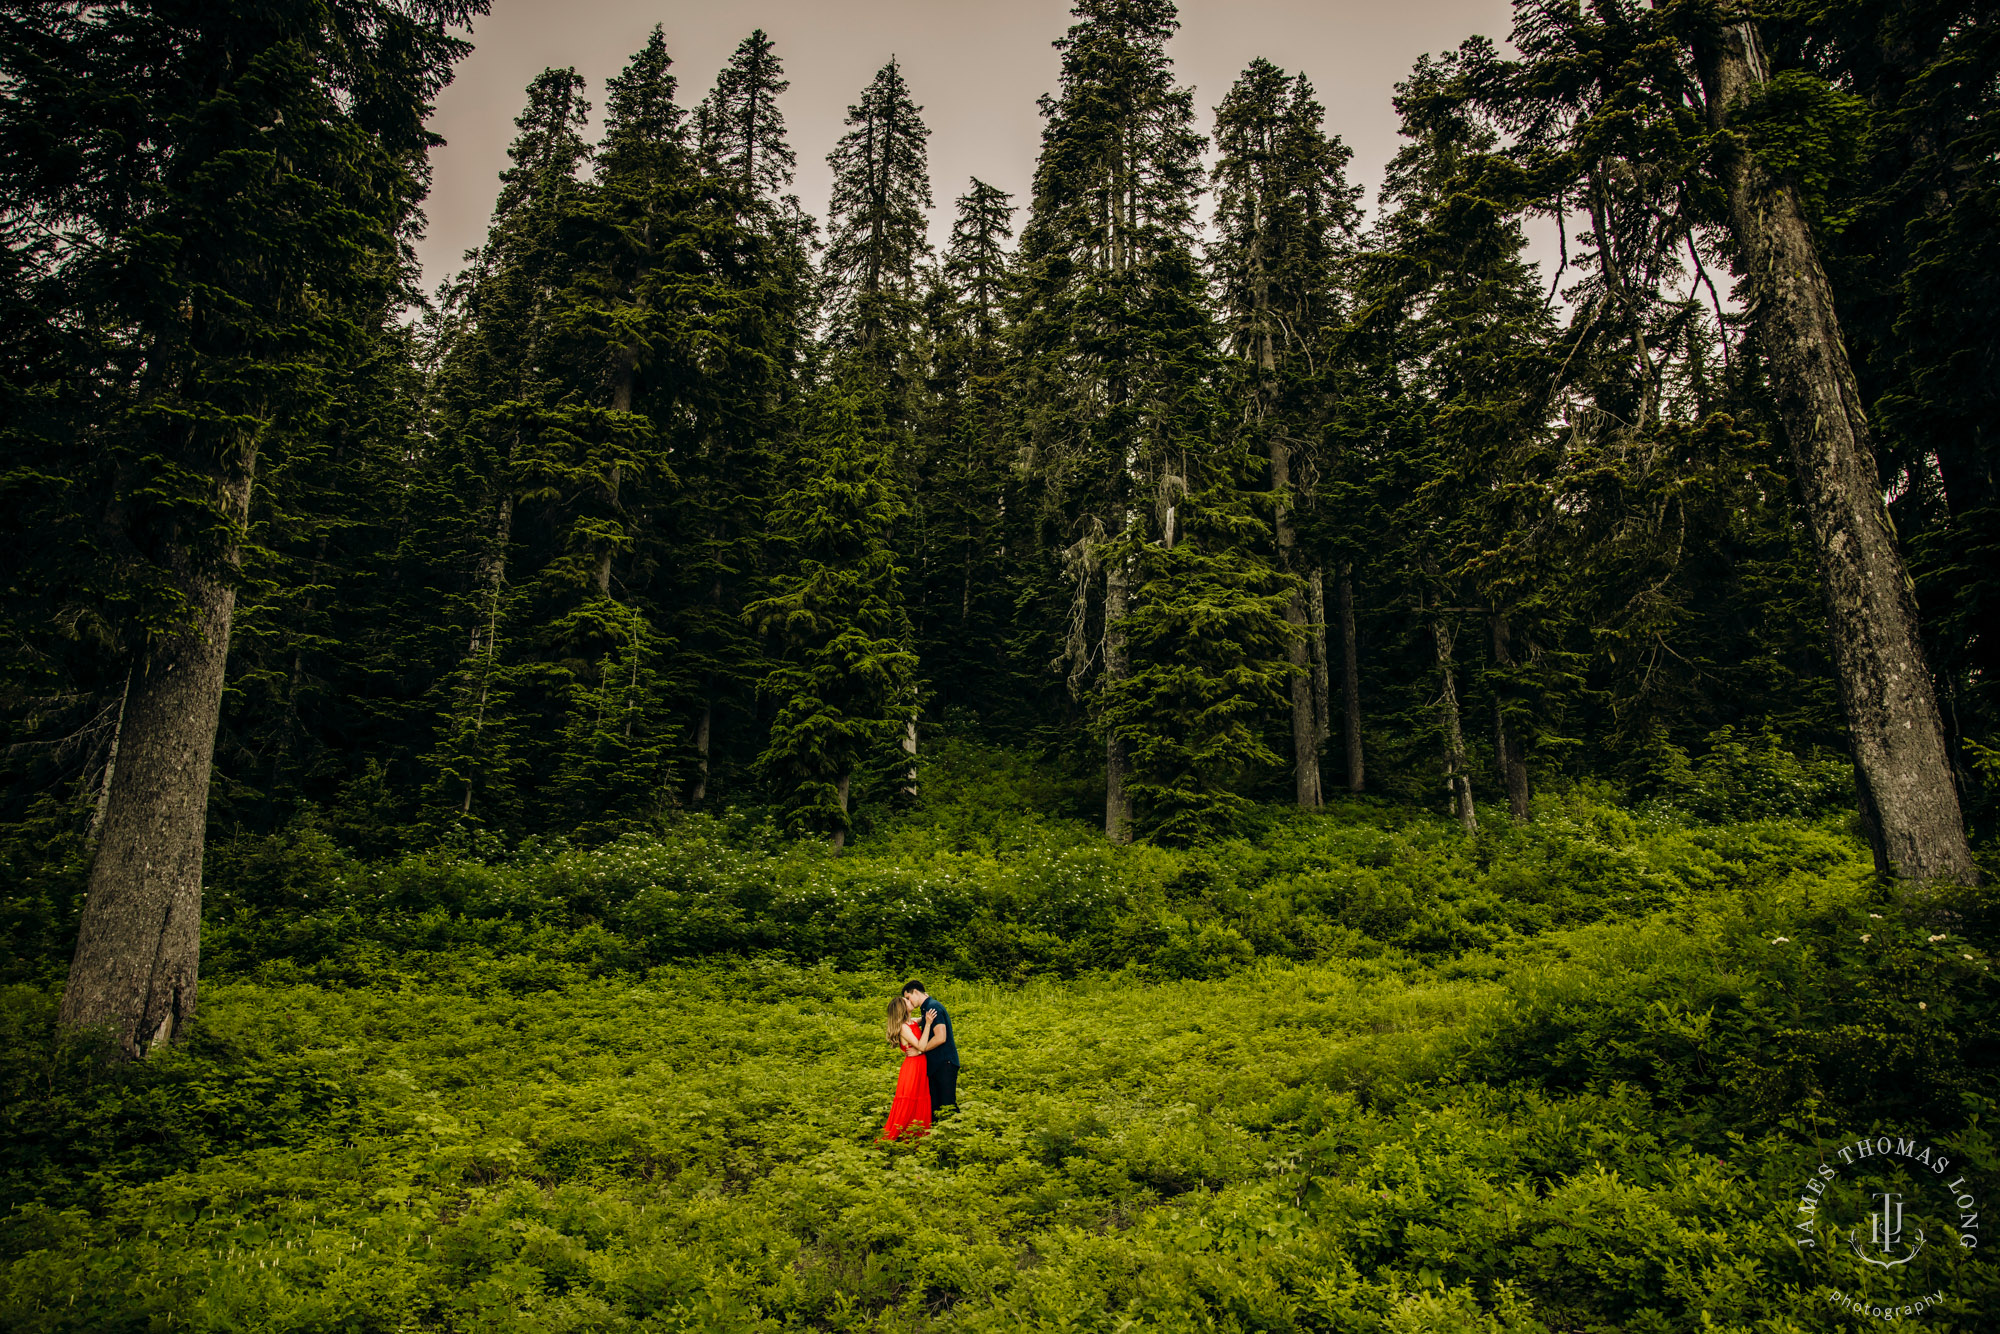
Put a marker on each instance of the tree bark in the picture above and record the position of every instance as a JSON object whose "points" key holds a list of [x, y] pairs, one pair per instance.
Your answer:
{"points": [[1305, 725], [1506, 750], [110, 765], [1117, 666], [1885, 686], [1350, 682], [138, 947], [842, 788], [621, 401], [496, 583], [702, 723], [1456, 778], [1322, 673]]}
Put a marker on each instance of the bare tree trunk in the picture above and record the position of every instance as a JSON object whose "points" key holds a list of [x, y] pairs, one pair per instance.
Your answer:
{"points": [[1506, 751], [621, 401], [1117, 666], [138, 948], [1322, 671], [705, 721], [839, 838], [1350, 681], [1885, 687], [496, 581], [1305, 725], [1455, 776], [702, 723], [910, 749]]}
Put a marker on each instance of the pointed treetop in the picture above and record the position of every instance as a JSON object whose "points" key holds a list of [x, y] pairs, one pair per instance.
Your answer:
{"points": [[550, 145], [976, 263], [743, 132], [877, 233], [639, 101]]}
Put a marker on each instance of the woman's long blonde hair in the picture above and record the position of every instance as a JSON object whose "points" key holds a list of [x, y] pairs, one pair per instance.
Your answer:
{"points": [[899, 1012]]}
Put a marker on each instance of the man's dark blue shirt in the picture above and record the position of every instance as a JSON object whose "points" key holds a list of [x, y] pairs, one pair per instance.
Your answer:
{"points": [[946, 1052]]}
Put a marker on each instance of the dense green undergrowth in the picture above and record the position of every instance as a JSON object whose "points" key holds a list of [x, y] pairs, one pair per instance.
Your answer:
{"points": [[1354, 1072]]}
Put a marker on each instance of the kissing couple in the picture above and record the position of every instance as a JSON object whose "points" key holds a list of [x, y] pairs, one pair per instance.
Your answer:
{"points": [[920, 1028]]}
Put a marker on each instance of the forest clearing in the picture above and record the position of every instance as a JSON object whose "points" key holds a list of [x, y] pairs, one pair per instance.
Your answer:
{"points": [[1580, 1095], [1426, 701]]}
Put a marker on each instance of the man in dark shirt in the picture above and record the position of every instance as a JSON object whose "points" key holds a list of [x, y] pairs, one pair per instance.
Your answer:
{"points": [[941, 1052]]}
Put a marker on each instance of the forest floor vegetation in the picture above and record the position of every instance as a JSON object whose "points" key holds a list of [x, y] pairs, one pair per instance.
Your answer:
{"points": [[1354, 1072]]}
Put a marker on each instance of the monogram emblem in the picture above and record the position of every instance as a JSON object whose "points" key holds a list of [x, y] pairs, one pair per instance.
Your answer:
{"points": [[1885, 1234]]}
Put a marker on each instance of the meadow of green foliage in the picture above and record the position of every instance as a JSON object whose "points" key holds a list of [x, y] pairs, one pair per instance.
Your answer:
{"points": [[1351, 1072]]}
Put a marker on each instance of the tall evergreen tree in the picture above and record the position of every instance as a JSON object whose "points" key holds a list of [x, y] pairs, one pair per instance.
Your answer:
{"points": [[730, 471], [846, 675], [1691, 96], [1283, 208], [603, 464], [975, 545], [1112, 331], [231, 197], [740, 130], [1889, 135], [1213, 654], [499, 390], [876, 228]]}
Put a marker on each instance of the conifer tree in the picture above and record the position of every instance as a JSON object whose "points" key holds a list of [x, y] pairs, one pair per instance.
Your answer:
{"points": [[977, 262], [1909, 798], [1283, 208], [1213, 654], [603, 460], [974, 545], [741, 132], [498, 392], [876, 239], [845, 677], [1461, 468], [228, 200], [1112, 332], [1687, 95], [766, 331]]}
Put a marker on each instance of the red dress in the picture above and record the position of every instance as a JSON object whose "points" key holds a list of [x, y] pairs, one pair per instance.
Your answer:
{"points": [[911, 1109]]}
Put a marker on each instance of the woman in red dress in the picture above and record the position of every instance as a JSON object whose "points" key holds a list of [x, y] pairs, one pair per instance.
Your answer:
{"points": [[911, 1109]]}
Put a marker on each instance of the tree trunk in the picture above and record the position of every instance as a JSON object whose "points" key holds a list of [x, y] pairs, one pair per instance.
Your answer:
{"points": [[1322, 672], [1506, 751], [496, 582], [1117, 666], [110, 766], [702, 723], [1350, 681], [705, 721], [1885, 687], [138, 947], [910, 749], [839, 838], [1305, 725], [621, 401], [1455, 776]]}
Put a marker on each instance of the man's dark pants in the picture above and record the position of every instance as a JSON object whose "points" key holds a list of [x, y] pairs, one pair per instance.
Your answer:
{"points": [[944, 1085]]}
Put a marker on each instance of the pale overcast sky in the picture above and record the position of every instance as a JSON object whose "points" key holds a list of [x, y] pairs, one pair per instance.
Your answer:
{"points": [[975, 67]]}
